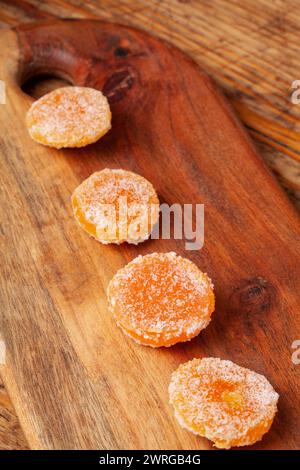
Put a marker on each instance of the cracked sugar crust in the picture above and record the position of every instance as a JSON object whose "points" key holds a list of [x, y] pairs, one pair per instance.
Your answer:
{"points": [[161, 299], [69, 117], [217, 399], [116, 206]]}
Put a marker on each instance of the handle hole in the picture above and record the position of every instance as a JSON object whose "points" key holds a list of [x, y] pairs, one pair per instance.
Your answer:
{"points": [[39, 85]]}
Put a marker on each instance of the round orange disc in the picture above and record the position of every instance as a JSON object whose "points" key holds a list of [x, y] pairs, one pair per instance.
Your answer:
{"points": [[161, 299], [116, 206], [217, 399], [69, 117]]}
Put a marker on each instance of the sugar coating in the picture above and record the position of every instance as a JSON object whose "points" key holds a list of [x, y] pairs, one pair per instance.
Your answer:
{"points": [[115, 206], [217, 399], [69, 117], [161, 299]]}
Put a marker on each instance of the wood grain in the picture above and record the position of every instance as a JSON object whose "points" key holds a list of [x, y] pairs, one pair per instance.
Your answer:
{"points": [[221, 35], [249, 47], [76, 381], [11, 435]]}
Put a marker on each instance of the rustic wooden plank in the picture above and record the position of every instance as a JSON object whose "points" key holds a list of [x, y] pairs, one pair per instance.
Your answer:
{"points": [[254, 60], [65, 357]]}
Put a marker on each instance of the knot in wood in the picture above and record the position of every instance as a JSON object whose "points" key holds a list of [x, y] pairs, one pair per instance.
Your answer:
{"points": [[117, 85], [252, 296]]}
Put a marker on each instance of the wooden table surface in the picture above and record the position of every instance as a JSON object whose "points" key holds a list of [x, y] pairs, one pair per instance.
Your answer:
{"points": [[250, 47]]}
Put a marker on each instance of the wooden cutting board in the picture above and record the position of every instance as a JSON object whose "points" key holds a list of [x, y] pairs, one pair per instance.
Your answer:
{"points": [[76, 381]]}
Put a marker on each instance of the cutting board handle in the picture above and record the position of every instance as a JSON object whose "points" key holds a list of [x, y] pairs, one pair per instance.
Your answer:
{"points": [[84, 56]]}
